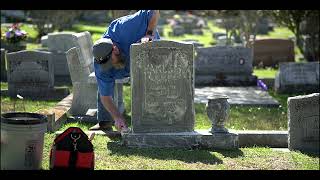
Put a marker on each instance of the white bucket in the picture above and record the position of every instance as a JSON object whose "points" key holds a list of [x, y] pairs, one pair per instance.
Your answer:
{"points": [[22, 137]]}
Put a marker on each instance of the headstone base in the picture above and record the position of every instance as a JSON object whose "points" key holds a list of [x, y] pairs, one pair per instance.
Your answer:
{"points": [[186, 140], [40, 93]]}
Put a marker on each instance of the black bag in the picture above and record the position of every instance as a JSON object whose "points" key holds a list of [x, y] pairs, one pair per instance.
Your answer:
{"points": [[72, 150]]}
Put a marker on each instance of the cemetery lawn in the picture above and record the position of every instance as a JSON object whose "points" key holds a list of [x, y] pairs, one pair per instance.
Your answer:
{"points": [[111, 155]]}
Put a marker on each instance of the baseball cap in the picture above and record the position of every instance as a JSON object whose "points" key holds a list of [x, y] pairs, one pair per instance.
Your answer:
{"points": [[102, 50]]}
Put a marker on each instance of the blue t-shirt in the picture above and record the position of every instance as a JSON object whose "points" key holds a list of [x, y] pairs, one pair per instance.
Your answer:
{"points": [[123, 32]]}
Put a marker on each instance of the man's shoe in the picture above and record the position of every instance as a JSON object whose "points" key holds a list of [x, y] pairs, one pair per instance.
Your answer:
{"points": [[104, 126]]}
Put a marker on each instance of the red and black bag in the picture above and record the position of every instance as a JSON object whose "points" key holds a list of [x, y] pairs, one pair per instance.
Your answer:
{"points": [[72, 150]]}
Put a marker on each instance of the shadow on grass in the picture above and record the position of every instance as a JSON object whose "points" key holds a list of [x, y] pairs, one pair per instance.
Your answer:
{"points": [[311, 154], [231, 153], [188, 156]]}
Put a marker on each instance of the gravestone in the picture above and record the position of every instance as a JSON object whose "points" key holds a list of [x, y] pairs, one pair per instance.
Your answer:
{"points": [[224, 66], [44, 41], [61, 70], [298, 78], [162, 87], [162, 80], [195, 42], [3, 65], [59, 43], [197, 32], [178, 30], [303, 123], [270, 52], [217, 34], [30, 74]]}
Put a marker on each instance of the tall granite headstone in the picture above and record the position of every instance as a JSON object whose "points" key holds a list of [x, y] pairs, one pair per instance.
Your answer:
{"points": [[224, 65], [162, 87], [162, 80], [303, 123], [298, 78], [30, 73], [270, 52], [3, 65]]}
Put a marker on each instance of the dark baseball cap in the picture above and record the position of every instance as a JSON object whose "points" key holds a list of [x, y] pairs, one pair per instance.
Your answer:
{"points": [[102, 50]]}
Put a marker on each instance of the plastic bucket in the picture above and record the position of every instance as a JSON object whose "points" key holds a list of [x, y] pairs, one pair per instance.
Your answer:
{"points": [[22, 136]]}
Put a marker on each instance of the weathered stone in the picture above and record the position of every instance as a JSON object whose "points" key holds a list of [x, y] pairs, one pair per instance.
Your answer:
{"points": [[194, 42], [197, 31], [61, 70], [185, 140], [218, 112], [162, 87], [30, 73], [58, 114], [270, 52], [62, 42], [303, 123], [178, 30], [224, 65], [298, 78], [262, 138], [3, 65], [44, 41], [78, 73], [244, 96], [85, 86]]}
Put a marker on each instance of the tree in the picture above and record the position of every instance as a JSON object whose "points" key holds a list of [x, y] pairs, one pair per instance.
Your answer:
{"points": [[47, 21], [292, 20]]}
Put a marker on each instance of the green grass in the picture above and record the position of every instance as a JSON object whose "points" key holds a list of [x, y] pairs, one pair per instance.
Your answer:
{"points": [[278, 32], [110, 155], [265, 73], [10, 104]]}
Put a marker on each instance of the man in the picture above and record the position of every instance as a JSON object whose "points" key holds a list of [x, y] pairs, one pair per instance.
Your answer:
{"points": [[112, 61]]}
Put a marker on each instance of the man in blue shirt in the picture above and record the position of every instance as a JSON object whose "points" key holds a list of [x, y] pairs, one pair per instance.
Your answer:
{"points": [[112, 61]]}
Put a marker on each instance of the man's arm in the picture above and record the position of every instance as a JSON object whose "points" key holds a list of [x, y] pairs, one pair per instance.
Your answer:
{"points": [[116, 115], [151, 26], [153, 22]]}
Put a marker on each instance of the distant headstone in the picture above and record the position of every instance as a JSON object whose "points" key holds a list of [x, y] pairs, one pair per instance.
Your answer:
{"points": [[197, 32], [61, 70], [270, 52], [224, 65], [216, 35], [178, 30], [62, 42], [263, 26], [162, 87], [3, 65], [44, 41], [303, 123], [298, 78], [30, 73], [195, 42]]}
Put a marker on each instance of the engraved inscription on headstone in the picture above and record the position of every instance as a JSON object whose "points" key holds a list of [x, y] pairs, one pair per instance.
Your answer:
{"points": [[30, 73], [162, 87]]}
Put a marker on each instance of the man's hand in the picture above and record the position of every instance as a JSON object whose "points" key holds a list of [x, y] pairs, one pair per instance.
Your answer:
{"points": [[146, 38], [116, 115], [121, 125]]}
